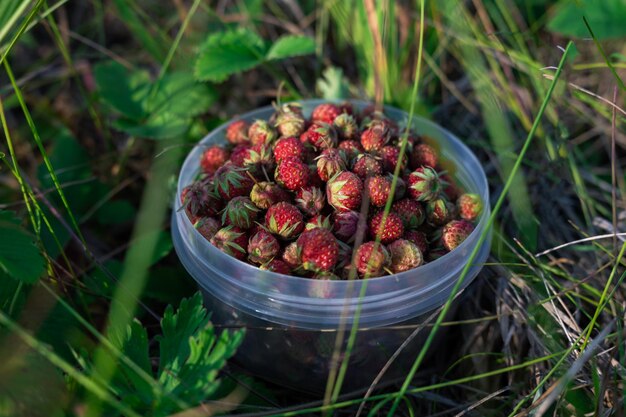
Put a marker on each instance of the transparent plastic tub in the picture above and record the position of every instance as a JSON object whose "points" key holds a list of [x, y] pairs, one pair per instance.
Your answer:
{"points": [[292, 322]]}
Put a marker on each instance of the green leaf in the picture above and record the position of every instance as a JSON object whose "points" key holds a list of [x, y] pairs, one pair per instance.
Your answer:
{"points": [[116, 212], [181, 95], [20, 258], [227, 53], [333, 85], [290, 46], [606, 18], [121, 89], [162, 126]]}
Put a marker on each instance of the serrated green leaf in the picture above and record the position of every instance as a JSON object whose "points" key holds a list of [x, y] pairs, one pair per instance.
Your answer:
{"points": [[290, 46], [606, 18], [121, 89], [333, 85], [227, 53], [181, 95], [20, 258]]}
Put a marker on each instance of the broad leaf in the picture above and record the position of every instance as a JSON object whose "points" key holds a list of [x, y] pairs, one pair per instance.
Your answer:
{"points": [[121, 88], [181, 95], [20, 258], [606, 18], [289, 46], [333, 85]]}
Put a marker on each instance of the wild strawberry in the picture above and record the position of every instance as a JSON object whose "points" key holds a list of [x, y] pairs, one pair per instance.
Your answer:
{"points": [[287, 147], [351, 148], [325, 113], [240, 212], [231, 181], [346, 127], [437, 212], [346, 107], [390, 156], [410, 211], [318, 250], [375, 137], [330, 162], [292, 173], [345, 225], [314, 178], [291, 255], [404, 256], [319, 220], [213, 158], [284, 219], [207, 226], [449, 187], [371, 258], [237, 132], [277, 266], [424, 155], [455, 232], [378, 189], [232, 241], [265, 194], [387, 232], [400, 190], [366, 165], [262, 247], [259, 160], [343, 191], [239, 154], [260, 132], [320, 136], [310, 200], [424, 184], [418, 238], [199, 199], [470, 206], [289, 120]]}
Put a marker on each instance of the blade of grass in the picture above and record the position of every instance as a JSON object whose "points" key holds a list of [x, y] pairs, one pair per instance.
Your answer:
{"points": [[606, 59], [8, 24]]}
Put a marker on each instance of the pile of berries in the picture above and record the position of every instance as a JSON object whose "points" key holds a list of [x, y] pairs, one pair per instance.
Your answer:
{"points": [[291, 195]]}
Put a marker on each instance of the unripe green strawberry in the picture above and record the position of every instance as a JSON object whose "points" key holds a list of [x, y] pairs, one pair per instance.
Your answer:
{"points": [[404, 256], [366, 165], [375, 136], [424, 155], [418, 238], [469, 206], [343, 191], [262, 247], [265, 194], [437, 212], [318, 250], [310, 200], [285, 220], [330, 162], [207, 226], [291, 255], [378, 189], [455, 232], [261, 133], [319, 136], [319, 220], [237, 132], [351, 148], [292, 174], [288, 147], [387, 231], [289, 120], [346, 127], [231, 181], [424, 184], [371, 258], [232, 241], [390, 156], [213, 158], [240, 212], [411, 212], [325, 113], [277, 266]]}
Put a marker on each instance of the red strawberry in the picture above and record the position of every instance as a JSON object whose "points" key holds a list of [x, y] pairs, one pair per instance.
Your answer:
{"points": [[330, 162], [424, 155], [199, 199], [240, 212], [449, 187], [284, 219], [437, 212], [387, 232], [424, 184], [318, 250], [371, 258], [345, 225], [314, 178], [378, 189], [207, 226], [232, 241], [418, 238], [286, 147], [291, 255], [343, 191], [469, 206], [375, 136], [404, 256], [351, 148], [231, 181], [400, 190], [325, 113], [265, 194], [262, 247], [319, 220], [310, 200], [346, 127], [390, 156], [239, 154], [455, 232], [410, 211], [289, 120], [277, 266], [259, 160], [366, 165], [213, 158], [237, 132], [260, 132], [320, 136], [292, 174]]}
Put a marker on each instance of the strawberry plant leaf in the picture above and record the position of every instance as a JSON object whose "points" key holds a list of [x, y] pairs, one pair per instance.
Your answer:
{"points": [[226, 53], [181, 95], [290, 46], [606, 18], [333, 85], [121, 89], [20, 258]]}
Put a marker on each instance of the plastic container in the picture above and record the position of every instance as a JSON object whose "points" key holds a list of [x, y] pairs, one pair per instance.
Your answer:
{"points": [[292, 321]]}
